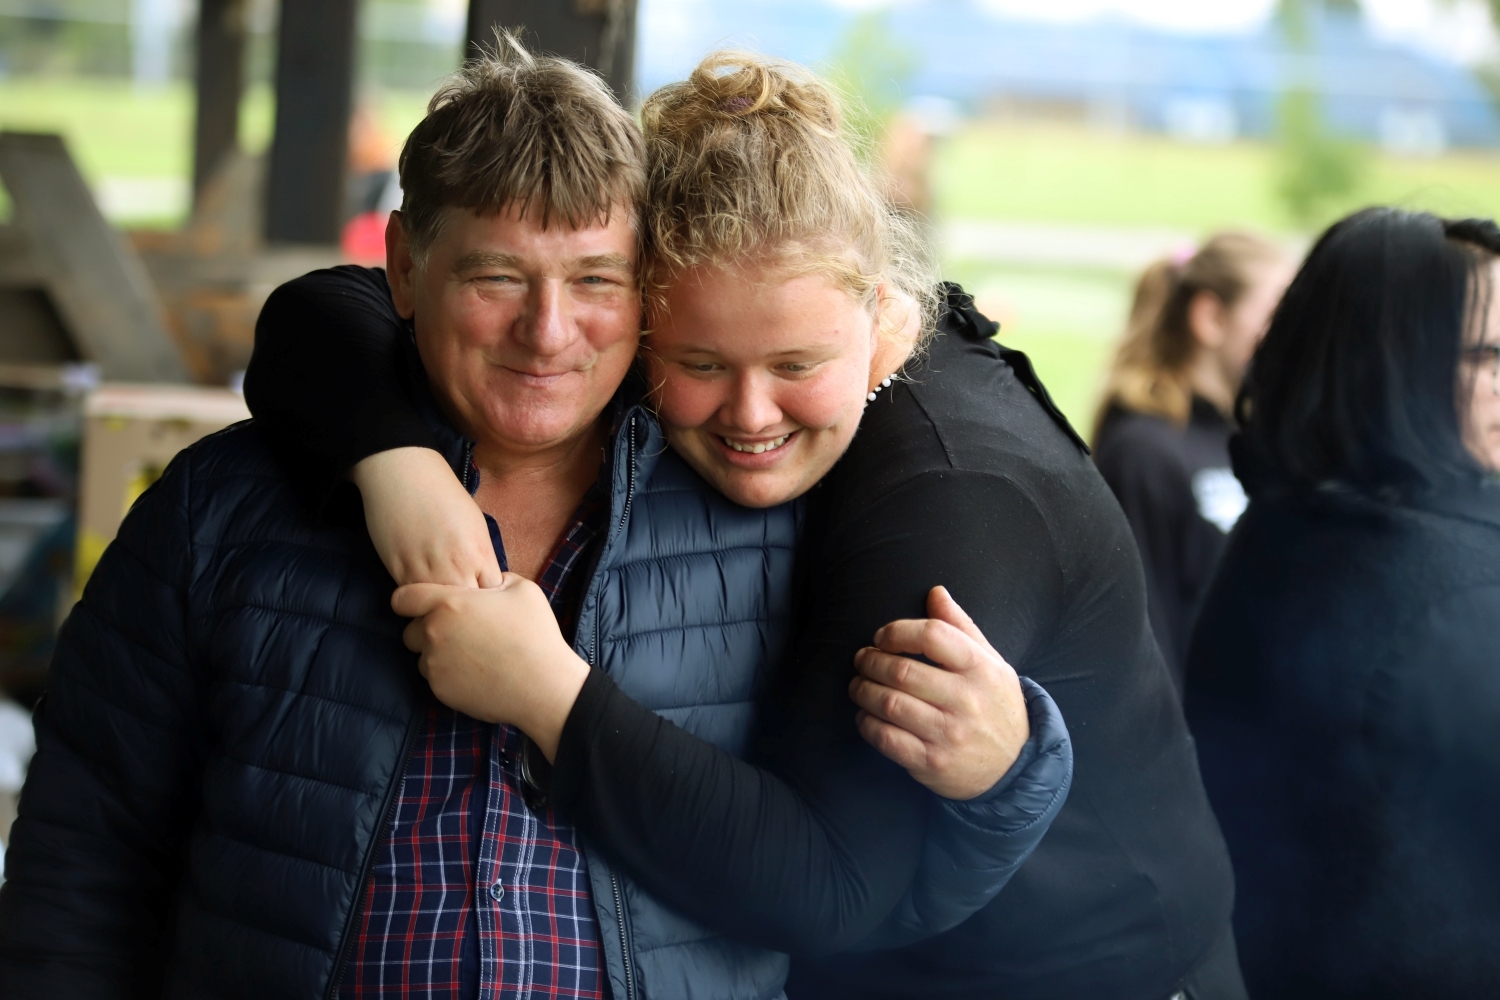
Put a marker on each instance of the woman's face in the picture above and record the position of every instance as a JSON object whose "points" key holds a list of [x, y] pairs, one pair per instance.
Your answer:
{"points": [[760, 379], [1481, 382], [1233, 334]]}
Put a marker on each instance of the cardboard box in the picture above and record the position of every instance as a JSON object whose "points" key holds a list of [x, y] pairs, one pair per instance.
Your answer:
{"points": [[130, 433]]}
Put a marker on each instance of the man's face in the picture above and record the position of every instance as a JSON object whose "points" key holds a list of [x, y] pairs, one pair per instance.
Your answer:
{"points": [[525, 332]]}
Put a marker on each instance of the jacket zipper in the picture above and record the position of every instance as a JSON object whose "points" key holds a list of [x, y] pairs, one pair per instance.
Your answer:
{"points": [[392, 797], [614, 880], [630, 484], [624, 516], [614, 883]]}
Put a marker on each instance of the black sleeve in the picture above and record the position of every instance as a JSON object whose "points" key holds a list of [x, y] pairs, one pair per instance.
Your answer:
{"points": [[325, 379], [785, 857]]}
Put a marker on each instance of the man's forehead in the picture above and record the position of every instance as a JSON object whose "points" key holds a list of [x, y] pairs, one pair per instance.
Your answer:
{"points": [[486, 258], [512, 238]]}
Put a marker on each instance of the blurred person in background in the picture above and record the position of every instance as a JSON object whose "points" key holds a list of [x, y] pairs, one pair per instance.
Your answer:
{"points": [[1161, 438], [1344, 675]]}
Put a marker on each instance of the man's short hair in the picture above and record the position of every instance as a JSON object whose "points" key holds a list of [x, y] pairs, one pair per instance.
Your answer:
{"points": [[513, 128]]}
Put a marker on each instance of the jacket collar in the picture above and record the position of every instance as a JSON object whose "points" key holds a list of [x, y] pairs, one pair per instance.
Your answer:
{"points": [[1479, 503]]}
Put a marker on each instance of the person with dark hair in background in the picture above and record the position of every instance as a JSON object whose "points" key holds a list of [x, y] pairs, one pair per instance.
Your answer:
{"points": [[1342, 679], [1161, 438]]}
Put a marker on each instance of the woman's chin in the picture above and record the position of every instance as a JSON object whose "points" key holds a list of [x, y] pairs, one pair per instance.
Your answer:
{"points": [[754, 490]]}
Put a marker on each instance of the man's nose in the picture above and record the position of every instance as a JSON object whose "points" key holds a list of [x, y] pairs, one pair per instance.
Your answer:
{"points": [[548, 326], [752, 405]]}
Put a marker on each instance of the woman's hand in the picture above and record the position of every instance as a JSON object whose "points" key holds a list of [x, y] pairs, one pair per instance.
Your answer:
{"points": [[495, 654], [957, 728], [423, 522]]}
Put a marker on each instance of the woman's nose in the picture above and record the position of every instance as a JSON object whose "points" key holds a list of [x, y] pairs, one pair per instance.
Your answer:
{"points": [[752, 405]]}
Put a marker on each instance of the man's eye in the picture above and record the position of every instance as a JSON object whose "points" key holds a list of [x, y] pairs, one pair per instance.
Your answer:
{"points": [[593, 279], [797, 367]]}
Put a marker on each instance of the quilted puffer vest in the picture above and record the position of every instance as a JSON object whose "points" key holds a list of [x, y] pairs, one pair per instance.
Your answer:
{"points": [[686, 579]]}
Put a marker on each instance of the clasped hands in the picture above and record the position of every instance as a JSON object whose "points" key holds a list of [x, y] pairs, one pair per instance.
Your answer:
{"points": [[491, 648], [496, 654]]}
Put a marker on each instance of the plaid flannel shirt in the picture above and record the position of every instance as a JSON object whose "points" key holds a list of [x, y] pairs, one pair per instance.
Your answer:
{"points": [[473, 893]]}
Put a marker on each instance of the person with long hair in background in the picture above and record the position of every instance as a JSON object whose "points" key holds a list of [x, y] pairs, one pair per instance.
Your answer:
{"points": [[1161, 437], [1344, 676]]}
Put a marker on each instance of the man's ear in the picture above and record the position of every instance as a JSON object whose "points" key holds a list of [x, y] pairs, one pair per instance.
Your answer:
{"points": [[1206, 319], [399, 267]]}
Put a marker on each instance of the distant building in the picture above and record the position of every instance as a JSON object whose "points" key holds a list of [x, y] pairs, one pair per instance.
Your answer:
{"points": [[1204, 88]]}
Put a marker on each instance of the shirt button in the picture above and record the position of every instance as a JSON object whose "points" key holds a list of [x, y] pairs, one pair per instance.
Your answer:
{"points": [[497, 890]]}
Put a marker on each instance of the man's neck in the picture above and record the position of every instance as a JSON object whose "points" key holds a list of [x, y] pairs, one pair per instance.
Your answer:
{"points": [[533, 495]]}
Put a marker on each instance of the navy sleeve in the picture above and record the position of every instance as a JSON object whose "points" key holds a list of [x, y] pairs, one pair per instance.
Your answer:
{"points": [[829, 846], [325, 380], [98, 847]]}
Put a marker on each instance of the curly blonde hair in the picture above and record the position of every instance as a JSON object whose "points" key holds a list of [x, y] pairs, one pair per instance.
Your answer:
{"points": [[749, 158]]}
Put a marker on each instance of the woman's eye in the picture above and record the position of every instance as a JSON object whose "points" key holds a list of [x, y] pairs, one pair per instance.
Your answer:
{"points": [[797, 368], [702, 367]]}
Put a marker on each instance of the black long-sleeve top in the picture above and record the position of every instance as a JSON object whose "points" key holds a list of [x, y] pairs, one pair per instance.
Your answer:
{"points": [[964, 476], [1181, 498]]}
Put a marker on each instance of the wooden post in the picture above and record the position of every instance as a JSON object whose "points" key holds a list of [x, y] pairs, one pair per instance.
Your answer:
{"points": [[597, 33], [314, 97], [220, 85]]}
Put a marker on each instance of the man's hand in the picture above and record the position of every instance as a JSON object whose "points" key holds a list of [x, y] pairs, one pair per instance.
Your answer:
{"points": [[495, 654], [956, 728], [423, 522]]}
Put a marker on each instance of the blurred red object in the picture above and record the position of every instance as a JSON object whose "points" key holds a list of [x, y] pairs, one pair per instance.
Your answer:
{"points": [[363, 241]]}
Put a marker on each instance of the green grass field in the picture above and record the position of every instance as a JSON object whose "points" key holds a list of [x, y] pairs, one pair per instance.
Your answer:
{"points": [[1066, 319], [1069, 174]]}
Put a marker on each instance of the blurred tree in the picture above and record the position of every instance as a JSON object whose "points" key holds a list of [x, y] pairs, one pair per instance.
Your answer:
{"points": [[872, 67], [1315, 168], [1488, 71]]}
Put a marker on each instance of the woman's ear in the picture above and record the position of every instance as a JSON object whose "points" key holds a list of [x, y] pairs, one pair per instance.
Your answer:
{"points": [[1207, 320]]}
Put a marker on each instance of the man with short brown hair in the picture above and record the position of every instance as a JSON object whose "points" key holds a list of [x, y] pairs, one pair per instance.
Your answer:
{"points": [[243, 787]]}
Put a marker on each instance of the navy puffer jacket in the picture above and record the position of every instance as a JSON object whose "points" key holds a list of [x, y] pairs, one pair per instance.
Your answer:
{"points": [[231, 704]]}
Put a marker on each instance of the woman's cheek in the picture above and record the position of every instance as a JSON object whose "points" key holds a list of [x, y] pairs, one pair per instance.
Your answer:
{"points": [[824, 401], [685, 402]]}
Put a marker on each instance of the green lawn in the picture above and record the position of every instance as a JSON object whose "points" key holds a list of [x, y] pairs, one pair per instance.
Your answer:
{"points": [[1069, 174], [1068, 320]]}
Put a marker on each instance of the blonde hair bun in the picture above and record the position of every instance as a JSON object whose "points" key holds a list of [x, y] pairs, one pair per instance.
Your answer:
{"points": [[749, 158]]}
